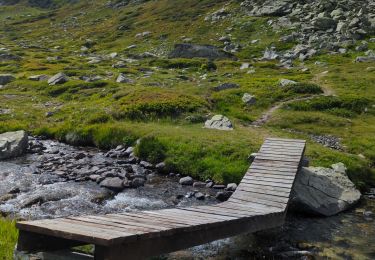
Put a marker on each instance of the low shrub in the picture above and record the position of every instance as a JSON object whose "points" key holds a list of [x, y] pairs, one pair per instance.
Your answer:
{"points": [[342, 106], [304, 88], [151, 149]]}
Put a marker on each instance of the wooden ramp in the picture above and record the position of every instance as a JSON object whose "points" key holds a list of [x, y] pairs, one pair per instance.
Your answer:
{"points": [[260, 202]]}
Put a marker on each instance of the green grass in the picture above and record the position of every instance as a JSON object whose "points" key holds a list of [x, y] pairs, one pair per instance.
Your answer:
{"points": [[8, 235], [170, 98]]}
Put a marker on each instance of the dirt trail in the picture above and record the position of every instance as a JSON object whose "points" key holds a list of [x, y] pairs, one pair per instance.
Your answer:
{"points": [[318, 79]]}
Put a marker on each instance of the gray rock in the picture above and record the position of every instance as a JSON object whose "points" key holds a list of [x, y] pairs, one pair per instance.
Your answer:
{"points": [[324, 191], [138, 182], [223, 195], [199, 184], [219, 122], [225, 86], [6, 78], [286, 82], [199, 196], [113, 183], [13, 144], [59, 78], [123, 79], [249, 99], [231, 187], [189, 51], [365, 59], [186, 181], [272, 8], [38, 77], [324, 23], [270, 54]]}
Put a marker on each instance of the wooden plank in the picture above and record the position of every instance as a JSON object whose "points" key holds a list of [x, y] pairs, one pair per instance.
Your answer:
{"points": [[276, 172], [258, 203], [291, 170], [192, 215], [291, 165], [178, 218], [145, 215], [266, 178], [138, 229], [209, 215], [218, 211], [274, 158], [268, 174], [286, 140], [134, 222], [260, 191], [272, 184], [295, 144], [261, 196], [264, 209], [265, 188]]}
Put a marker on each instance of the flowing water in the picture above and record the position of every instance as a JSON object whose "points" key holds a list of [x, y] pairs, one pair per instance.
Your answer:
{"points": [[29, 191]]}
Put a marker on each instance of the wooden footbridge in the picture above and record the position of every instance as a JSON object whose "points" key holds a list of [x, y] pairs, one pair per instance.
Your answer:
{"points": [[260, 202]]}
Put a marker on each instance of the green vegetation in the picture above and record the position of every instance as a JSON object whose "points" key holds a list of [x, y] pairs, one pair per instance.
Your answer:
{"points": [[167, 100], [8, 235]]}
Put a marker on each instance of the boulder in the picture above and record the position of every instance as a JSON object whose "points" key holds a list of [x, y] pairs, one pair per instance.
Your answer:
{"points": [[286, 82], [189, 51], [113, 183], [219, 122], [13, 144], [223, 195], [324, 191], [273, 8], [59, 78], [231, 187], [225, 86], [249, 99], [6, 78], [186, 181]]}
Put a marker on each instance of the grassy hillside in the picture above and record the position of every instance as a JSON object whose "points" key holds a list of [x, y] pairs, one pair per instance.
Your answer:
{"points": [[169, 99]]}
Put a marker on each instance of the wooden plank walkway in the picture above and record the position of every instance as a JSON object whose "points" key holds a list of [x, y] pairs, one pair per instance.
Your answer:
{"points": [[260, 202]]}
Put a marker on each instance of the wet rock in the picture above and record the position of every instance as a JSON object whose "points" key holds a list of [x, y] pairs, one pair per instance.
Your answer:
{"points": [[59, 78], [199, 196], [6, 78], [13, 144], [231, 187], [199, 184], [219, 122], [138, 182], [186, 181], [113, 183], [219, 186], [324, 191], [160, 167], [190, 51], [226, 86], [223, 195]]}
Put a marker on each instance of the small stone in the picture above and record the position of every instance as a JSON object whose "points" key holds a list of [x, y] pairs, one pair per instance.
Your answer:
{"points": [[113, 183], [138, 182], [231, 187], [199, 196], [223, 195], [218, 187], [123, 79], [186, 181], [6, 78], [199, 184], [286, 82], [219, 122], [226, 86]]}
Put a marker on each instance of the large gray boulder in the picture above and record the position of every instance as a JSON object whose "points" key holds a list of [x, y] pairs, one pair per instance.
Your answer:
{"points": [[6, 78], [219, 122], [324, 191], [189, 51], [13, 144]]}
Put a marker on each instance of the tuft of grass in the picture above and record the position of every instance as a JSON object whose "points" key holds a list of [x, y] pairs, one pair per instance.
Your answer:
{"points": [[151, 149], [8, 238]]}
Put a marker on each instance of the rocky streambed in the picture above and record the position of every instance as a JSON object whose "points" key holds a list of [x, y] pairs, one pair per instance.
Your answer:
{"points": [[55, 180]]}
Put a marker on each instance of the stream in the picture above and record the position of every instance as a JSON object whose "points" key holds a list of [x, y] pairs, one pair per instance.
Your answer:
{"points": [[57, 180]]}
